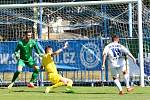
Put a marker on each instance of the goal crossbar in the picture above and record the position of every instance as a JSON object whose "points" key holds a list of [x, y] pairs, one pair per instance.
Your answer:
{"points": [[67, 3]]}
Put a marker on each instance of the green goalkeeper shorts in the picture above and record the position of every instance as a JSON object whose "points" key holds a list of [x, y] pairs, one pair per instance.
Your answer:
{"points": [[30, 63]]}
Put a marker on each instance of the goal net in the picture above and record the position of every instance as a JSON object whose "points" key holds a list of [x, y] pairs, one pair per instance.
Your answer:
{"points": [[87, 27]]}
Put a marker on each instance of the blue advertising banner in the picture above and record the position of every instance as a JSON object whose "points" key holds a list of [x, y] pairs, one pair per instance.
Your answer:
{"points": [[80, 55], [7, 61]]}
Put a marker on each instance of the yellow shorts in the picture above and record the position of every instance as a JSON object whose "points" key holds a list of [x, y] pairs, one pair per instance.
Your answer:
{"points": [[54, 78]]}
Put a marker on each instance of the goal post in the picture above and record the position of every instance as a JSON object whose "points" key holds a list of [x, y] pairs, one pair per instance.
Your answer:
{"points": [[86, 3], [140, 32]]}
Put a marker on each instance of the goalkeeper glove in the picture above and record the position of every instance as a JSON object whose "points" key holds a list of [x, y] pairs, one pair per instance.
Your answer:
{"points": [[65, 46]]}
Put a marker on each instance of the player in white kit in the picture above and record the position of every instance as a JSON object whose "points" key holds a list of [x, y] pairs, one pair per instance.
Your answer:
{"points": [[117, 62]]}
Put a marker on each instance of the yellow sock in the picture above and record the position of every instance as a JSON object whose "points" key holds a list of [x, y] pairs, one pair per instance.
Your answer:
{"points": [[70, 82], [58, 85]]}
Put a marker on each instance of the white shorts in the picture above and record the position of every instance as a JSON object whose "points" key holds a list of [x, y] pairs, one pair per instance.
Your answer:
{"points": [[116, 71], [117, 63]]}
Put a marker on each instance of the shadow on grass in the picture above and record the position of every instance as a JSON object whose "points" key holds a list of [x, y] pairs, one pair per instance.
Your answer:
{"points": [[3, 88], [75, 92], [90, 92], [38, 91], [93, 93], [35, 91]]}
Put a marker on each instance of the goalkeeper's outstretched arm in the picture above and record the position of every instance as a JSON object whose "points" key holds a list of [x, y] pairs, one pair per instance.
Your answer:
{"points": [[60, 50]]}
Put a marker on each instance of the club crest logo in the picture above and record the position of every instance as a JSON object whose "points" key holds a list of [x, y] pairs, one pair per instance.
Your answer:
{"points": [[90, 55]]}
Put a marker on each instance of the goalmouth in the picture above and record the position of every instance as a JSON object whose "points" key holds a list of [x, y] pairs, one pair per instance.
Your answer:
{"points": [[140, 32]]}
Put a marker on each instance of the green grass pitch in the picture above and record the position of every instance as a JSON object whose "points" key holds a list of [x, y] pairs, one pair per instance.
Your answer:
{"points": [[81, 93]]}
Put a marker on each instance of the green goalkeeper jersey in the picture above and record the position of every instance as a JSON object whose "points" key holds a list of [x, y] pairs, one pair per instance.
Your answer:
{"points": [[25, 49]]}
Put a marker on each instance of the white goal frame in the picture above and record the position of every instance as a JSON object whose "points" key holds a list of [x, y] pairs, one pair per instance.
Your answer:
{"points": [[140, 32]]}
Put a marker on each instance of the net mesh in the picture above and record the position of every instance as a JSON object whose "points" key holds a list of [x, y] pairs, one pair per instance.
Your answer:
{"points": [[62, 23]]}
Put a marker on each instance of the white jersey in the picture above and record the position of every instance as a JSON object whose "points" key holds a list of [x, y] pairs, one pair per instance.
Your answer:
{"points": [[115, 53]]}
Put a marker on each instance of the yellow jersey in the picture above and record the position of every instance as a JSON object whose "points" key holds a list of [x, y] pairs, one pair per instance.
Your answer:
{"points": [[48, 63]]}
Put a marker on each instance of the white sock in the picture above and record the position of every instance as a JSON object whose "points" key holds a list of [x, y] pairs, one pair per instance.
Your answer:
{"points": [[126, 77], [118, 84]]}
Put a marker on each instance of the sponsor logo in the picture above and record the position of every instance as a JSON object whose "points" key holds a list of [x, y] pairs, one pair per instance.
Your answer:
{"points": [[90, 55]]}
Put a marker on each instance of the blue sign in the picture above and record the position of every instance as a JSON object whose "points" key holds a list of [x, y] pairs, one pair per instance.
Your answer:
{"points": [[80, 55]]}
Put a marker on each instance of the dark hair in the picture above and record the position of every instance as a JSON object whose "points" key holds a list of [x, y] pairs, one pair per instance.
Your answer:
{"points": [[26, 32], [47, 48], [114, 37]]}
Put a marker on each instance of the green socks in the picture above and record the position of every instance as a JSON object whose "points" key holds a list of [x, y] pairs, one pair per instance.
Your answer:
{"points": [[34, 75], [15, 76]]}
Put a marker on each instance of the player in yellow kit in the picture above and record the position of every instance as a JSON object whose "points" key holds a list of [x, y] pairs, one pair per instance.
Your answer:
{"points": [[49, 65]]}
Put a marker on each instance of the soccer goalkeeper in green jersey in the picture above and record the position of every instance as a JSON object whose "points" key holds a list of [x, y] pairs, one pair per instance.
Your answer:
{"points": [[23, 54]]}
